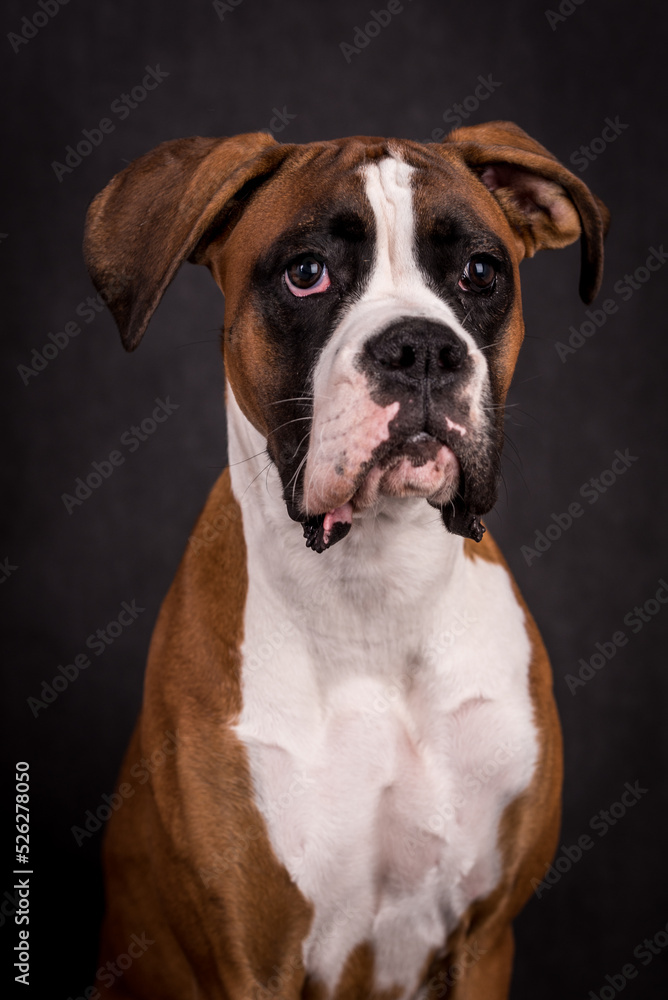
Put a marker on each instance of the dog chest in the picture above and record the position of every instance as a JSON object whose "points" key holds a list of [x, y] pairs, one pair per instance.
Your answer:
{"points": [[382, 759]]}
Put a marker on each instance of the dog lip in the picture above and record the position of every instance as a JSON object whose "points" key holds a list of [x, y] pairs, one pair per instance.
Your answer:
{"points": [[418, 447], [423, 452]]}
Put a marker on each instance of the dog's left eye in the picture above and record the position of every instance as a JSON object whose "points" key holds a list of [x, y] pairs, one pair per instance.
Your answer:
{"points": [[307, 275], [479, 275]]}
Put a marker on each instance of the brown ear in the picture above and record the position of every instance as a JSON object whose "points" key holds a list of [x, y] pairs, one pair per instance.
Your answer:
{"points": [[152, 216], [545, 204]]}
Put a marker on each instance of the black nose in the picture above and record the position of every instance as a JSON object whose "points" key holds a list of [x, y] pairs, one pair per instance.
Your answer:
{"points": [[415, 349]]}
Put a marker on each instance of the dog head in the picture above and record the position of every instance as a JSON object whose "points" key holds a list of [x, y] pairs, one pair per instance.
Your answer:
{"points": [[372, 300]]}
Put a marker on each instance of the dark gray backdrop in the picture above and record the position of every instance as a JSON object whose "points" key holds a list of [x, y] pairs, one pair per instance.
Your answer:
{"points": [[65, 575]]}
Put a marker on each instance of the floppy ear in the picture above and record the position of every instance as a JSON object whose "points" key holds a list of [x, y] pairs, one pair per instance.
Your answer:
{"points": [[152, 216], [545, 204]]}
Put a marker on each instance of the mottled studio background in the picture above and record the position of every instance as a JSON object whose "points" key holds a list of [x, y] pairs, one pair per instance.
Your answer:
{"points": [[64, 575]]}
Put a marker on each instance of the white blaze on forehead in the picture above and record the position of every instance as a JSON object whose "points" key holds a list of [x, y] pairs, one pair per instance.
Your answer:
{"points": [[343, 412], [388, 188], [397, 287]]}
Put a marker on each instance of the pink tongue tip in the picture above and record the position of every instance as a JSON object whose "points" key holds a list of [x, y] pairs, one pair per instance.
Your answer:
{"points": [[340, 515]]}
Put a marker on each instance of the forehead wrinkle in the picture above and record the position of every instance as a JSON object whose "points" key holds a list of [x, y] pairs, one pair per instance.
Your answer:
{"points": [[388, 186], [329, 204]]}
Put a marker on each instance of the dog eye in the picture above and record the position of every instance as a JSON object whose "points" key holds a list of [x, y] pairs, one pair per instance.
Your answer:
{"points": [[479, 275], [307, 275]]}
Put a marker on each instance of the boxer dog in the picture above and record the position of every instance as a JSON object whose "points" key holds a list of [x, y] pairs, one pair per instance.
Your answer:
{"points": [[367, 765]]}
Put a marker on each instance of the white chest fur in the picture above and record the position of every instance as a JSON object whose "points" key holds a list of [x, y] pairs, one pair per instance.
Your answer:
{"points": [[388, 722]]}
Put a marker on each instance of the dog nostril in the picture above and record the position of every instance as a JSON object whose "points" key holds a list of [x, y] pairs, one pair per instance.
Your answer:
{"points": [[450, 356], [406, 358]]}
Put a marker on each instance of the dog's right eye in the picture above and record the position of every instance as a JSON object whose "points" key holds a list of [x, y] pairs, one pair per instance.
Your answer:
{"points": [[479, 275], [307, 275]]}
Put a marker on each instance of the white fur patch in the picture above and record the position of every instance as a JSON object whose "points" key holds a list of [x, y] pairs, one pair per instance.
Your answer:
{"points": [[386, 715]]}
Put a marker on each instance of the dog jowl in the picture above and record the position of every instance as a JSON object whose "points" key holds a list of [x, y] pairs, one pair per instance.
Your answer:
{"points": [[370, 762]]}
